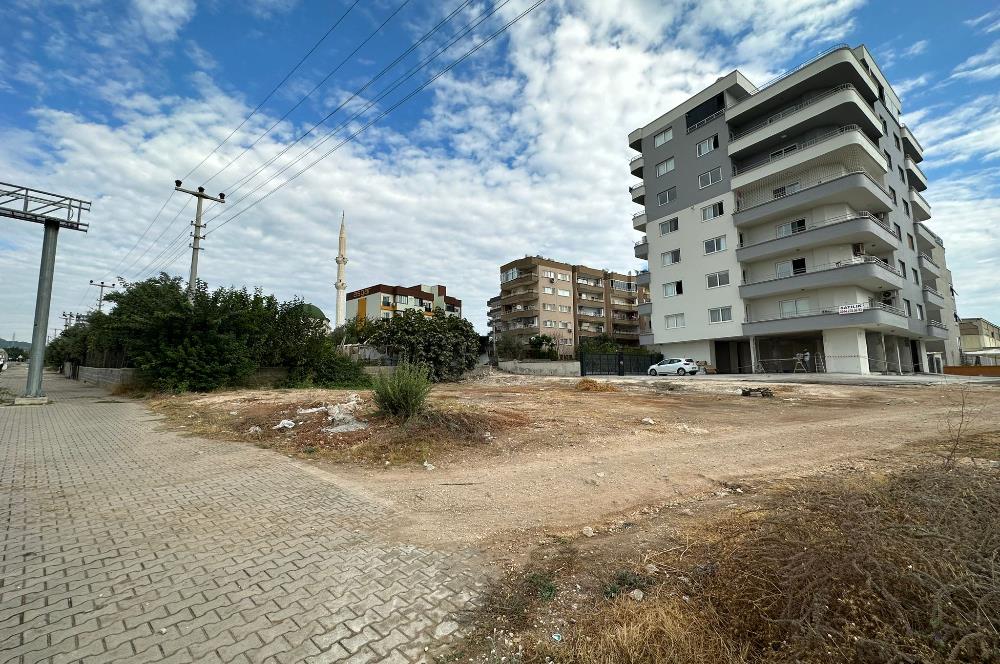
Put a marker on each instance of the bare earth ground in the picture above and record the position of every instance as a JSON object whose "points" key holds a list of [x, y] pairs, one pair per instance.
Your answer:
{"points": [[563, 460]]}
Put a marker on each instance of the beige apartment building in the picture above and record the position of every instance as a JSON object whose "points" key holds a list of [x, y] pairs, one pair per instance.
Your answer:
{"points": [[980, 341], [565, 301], [384, 301]]}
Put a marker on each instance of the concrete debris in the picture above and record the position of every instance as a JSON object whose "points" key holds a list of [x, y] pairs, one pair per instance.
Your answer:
{"points": [[652, 569], [342, 416], [254, 429], [648, 420], [306, 411], [284, 424], [234, 412], [637, 595], [428, 465], [588, 532]]}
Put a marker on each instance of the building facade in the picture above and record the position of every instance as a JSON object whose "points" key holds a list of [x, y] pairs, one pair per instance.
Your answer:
{"points": [[567, 302], [979, 335], [786, 230], [383, 301]]}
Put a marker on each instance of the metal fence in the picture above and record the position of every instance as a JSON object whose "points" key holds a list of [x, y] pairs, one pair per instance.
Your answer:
{"points": [[616, 364], [373, 356]]}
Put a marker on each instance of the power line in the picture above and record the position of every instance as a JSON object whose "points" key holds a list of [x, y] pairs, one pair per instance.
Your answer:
{"points": [[144, 232], [306, 96], [399, 103], [274, 89], [162, 233]]}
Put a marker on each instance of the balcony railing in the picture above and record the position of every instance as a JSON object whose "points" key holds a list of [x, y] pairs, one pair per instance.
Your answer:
{"points": [[740, 207], [824, 311], [933, 291], [931, 233], [925, 257], [781, 77], [705, 121], [638, 214], [938, 324], [635, 158], [635, 186], [791, 110], [840, 131], [644, 240], [864, 214], [823, 267]]}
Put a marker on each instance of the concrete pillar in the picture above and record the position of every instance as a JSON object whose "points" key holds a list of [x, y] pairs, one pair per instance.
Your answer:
{"points": [[845, 350], [43, 299], [753, 354], [924, 364]]}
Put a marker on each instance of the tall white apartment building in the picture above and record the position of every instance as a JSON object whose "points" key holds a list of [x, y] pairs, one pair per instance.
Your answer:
{"points": [[785, 227]]}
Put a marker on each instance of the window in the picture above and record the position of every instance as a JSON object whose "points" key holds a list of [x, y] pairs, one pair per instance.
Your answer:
{"points": [[715, 244], [885, 127], [895, 137], [674, 321], [562, 277], [565, 308], [548, 290], [892, 195], [906, 208], [898, 231], [386, 314], [663, 137], [717, 279], [665, 166], [888, 159], [668, 226], [549, 274], [665, 197], [909, 241], [548, 307], [563, 324], [916, 275], [549, 323], [563, 292], [720, 314], [403, 299], [386, 301], [710, 178], [789, 268], [711, 211], [796, 307], [902, 176], [707, 145], [785, 190], [790, 228], [671, 257], [673, 289], [510, 274], [920, 311], [902, 268], [908, 307]]}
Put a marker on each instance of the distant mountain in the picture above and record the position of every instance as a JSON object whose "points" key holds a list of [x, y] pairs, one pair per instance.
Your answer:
{"points": [[14, 344]]}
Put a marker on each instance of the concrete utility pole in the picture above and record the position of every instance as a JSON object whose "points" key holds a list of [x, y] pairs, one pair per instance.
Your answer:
{"points": [[341, 315], [102, 286], [54, 211], [200, 195]]}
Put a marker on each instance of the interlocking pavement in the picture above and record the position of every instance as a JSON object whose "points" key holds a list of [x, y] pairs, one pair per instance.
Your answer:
{"points": [[121, 542]]}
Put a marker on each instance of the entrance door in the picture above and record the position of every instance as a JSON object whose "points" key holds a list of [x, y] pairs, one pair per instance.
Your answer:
{"points": [[915, 353]]}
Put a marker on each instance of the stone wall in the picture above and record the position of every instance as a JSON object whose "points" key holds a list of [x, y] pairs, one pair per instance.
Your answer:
{"points": [[541, 368], [107, 377]]}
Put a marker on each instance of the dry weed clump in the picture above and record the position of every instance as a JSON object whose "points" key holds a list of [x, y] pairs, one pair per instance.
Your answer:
{"points": [[894, 568], [591, 385]]}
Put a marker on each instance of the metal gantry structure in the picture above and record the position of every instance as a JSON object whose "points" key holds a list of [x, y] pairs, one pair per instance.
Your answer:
{"points": [[53, 211]]}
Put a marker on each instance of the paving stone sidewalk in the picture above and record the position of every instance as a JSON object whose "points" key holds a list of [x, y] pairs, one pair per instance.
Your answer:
{"points": [[121, 542]]}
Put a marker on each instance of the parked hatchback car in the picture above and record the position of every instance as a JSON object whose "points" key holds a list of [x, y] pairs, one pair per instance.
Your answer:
{"points": [[674, 366]]}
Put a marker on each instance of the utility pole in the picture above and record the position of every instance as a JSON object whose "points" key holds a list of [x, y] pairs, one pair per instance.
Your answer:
{"points": [[102, 286], [200, 195], [67, 319]]}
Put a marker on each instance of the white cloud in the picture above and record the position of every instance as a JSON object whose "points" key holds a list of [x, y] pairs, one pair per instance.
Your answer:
{"points": [[967, 132], [916, 48], [910, 84], [161, 20], [982, 66], [988, 22]]}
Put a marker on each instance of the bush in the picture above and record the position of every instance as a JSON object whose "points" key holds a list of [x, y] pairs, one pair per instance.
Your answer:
{"points": [[326, 366], [447, 346], [404, 391]]}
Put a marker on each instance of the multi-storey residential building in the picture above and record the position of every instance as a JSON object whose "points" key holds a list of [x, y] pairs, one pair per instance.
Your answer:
{"points": [[382, 301], [567, 302], [981, 338], [785, 227]]}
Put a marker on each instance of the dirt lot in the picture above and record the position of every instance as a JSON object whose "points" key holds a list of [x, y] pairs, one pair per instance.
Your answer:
{"points": [[544, 458]]}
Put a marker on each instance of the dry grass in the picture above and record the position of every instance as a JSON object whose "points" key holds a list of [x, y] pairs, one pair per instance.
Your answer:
{"points": [[591, 385]]}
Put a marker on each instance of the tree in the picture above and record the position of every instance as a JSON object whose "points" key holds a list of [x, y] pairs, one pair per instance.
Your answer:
{"points": [[447, 345], [543, 347], [509, 347]]}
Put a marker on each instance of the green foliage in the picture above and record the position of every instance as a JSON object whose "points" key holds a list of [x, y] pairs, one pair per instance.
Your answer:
{"points": [[354, 331], [509, 347], [447, 346], [326, 366], [605, 343], [543, 347], [402, 392]]}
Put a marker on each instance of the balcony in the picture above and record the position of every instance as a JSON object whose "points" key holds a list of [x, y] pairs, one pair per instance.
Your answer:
{"points": [[918, 204], [645, 308], [857, 188], [525, 312], [868, 272], [590, 314], [642, 249], [635, 139], [595, 286], [914, 175], [832, 146], [842, 104], [929, 270], [638, 192], [927, 239], [520, 279], [639, 221], [646, 339], [862, 227], [642, 278], [911, 147], [932, 298], [937, 329], [635, 166], [530, 294], [626, 332], [831, 68], [870, 316]]}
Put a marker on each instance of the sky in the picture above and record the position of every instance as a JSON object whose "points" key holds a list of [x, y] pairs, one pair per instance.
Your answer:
{"points": [[446, 163]]}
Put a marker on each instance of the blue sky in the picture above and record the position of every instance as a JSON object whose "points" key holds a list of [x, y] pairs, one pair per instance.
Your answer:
{"points": [[520, 149]]}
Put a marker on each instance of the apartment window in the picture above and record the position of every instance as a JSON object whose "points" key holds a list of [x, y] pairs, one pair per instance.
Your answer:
{"points": [[790, 228], [899, 231], [665, 197], [674, 321], [902, 176], [548, 274], [563, 324], [902, 268], [916, 275], [548, 290], [668, 226], [920, 311], [711, 211], [785, 190], [788, 268], [888, 159], [565, 342], [671, 257], [403, 299], [908, 307], [717, 279], [562, 277], [663, 137], [895, 138], [909, 242], [549, 323], [796, 307], [510, 274], [720, 314], [386, 314], [386, 301], [563, 292], [665, 166], [548, 307], [715, 244], [710, 178], [565, 308], [673, 289], [892, 195], [707, 145], [885, 127]]}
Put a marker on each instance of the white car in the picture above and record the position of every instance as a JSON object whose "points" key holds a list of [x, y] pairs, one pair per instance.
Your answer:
{"points": [[674, 366]]}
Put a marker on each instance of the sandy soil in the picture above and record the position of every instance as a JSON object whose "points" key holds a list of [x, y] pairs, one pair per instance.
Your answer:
{"points": [[587, 459]]}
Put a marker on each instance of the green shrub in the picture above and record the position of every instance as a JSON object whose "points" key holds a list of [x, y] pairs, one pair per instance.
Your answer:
{"points": [[402, 392]]}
